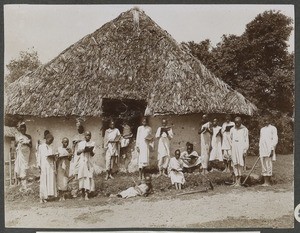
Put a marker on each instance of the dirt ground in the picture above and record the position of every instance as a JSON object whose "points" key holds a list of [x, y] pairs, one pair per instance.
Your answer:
{"points": [[223, 207]]}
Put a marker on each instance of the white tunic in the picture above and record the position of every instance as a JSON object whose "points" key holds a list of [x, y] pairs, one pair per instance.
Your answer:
{"points": [[163, 148], [205, 140], [267, 141], [75, 160], [190, 160], [85, 167], [143, 144], [22, 155], [112, 149], [48, 169], [63, 165], [240, 144], [177, 175], [216, 144], [226, 136]]}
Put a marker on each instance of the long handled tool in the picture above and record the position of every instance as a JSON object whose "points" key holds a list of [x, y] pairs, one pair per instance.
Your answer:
{"points": [[192, 192], [254, 165]]}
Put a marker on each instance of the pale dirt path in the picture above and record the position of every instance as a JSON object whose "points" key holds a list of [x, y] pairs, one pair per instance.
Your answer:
{"points": [[141, 212]]}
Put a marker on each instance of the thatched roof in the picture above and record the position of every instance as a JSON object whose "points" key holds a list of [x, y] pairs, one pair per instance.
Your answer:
{"points": [[10, 131], [130, 57]]}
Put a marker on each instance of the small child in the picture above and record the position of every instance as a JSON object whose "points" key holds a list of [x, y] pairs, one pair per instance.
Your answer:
{"points": [[144, 189], [175, 170], [63, 166]]}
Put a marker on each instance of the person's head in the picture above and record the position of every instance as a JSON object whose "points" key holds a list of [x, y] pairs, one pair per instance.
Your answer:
{"points": [[266, 121], [148, 180], [87, 136], [65, 142], [204, 118], [238, 121], [190, 148], [215, 122], [164, 122], [144, 121], [49, 139], [80, 129], [45, 133], [22, 128], [112, 124], [177, 154], [228, 118]]}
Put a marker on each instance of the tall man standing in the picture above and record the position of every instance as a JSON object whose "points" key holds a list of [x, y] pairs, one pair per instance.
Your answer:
{"points": [[267, 143], [240, 144], [205, 134], [164, 135], [111, 144]]}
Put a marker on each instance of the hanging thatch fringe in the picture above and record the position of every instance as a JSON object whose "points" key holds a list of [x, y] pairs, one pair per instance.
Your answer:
{"points": [[113, 62]]}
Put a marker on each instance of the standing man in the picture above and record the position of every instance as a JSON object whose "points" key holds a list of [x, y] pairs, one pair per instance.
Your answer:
{"points": [[267, 143], [164, 135], [23, 145], [240, 144], [226, 144], [205, 134], [111, 144], [216, 142], [144, 138], [79, 137], [86, 150]]}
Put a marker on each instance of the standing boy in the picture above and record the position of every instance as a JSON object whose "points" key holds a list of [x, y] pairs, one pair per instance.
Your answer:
{"points": [[226, 146], [267, 143], [164, 135], [111, 144], [240, 144]]}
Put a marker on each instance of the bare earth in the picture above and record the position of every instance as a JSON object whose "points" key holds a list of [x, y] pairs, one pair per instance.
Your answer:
{"points": [[212, 209]]}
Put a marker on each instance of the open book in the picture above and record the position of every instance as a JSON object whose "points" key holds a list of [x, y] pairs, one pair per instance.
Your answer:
{"points": [[89, 149]]}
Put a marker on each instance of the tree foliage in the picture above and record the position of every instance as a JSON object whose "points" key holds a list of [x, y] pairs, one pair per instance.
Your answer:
{"points": [[26, 62], [258, 65]]}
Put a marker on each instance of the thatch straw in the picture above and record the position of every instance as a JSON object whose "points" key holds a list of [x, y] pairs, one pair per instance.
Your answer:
{"points": [[130, 57], [10, 131]]}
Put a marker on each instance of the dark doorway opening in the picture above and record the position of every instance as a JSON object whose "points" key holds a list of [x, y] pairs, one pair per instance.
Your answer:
{"points": [[121, 110]]}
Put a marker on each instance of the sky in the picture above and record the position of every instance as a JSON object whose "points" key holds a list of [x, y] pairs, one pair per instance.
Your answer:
{"points": [[49, 29]]}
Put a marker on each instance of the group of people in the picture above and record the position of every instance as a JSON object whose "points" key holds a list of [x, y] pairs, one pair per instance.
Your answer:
{"points": [[227, 143]]}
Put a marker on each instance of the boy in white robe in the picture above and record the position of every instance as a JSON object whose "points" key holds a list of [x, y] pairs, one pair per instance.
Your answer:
{"points": [[226, 146], [112, 146], [175, 170], [62, 167], [240, 144], [190, 157], [144, 138], [205, 136], [86, 150], [164, 135], [79, 137], [216, 142], [48, 170], [267, 143]]}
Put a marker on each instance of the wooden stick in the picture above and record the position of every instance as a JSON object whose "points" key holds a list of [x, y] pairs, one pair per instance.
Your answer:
{"points": [[192, 192], [251, 170]]}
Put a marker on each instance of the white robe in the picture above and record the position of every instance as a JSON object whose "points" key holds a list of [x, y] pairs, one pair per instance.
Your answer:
{"points": [[48, 170], [75, 160], [22, 155], [190, 160], [142, 133], [240, 144], [63, 165], [177, 175], [163, 147], [226, 136], [267, 141], [216, 144], [112, 149], [135, 191], [205, 140], [85, 167]]}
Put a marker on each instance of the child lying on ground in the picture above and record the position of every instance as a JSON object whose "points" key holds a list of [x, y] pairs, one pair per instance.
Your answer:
{"points": [[144, 189]]}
